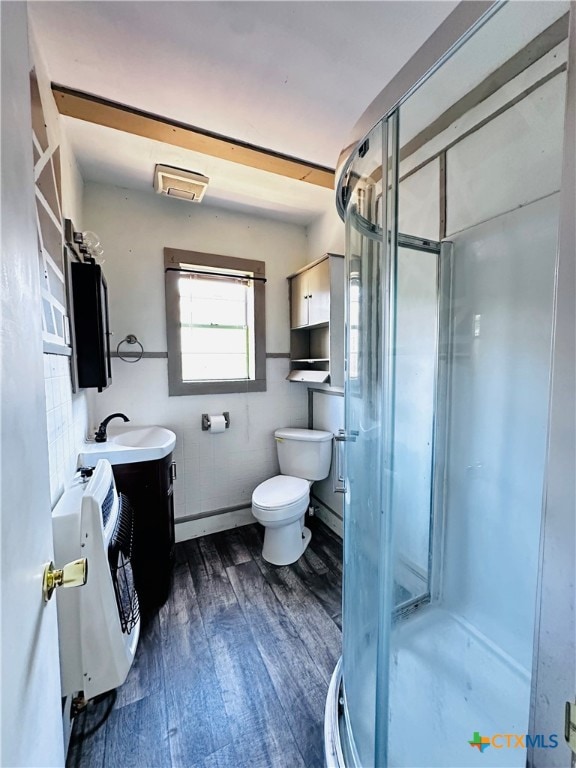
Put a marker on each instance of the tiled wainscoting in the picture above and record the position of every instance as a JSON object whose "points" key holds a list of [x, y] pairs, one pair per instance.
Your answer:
{"points": [[67, 420]]}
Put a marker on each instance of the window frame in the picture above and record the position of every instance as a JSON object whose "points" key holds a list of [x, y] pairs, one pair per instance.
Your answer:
{"points": [[173, 259]]}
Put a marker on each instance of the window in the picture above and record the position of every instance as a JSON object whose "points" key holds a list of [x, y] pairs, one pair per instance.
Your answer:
{"points": [[215, 323]]}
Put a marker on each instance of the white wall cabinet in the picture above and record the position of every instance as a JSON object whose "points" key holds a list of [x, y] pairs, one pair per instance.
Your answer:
{"points": [[299, 300], [317, 322], [310, 296]]}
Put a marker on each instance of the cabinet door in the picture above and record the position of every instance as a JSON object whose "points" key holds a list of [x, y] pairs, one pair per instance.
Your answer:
{"points": [[299, 300], [319, 293]]}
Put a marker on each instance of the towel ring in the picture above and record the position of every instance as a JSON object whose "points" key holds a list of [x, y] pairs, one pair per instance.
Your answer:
{"points": [[130, 338]]}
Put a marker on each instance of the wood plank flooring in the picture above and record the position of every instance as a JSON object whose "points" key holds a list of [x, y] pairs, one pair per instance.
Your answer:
{"points": [[233, 671]]}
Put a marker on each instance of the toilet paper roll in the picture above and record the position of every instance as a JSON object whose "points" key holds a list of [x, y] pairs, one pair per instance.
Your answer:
{"points": [[217, 423]]}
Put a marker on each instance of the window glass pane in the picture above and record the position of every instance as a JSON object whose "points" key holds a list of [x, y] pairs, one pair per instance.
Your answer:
{"points": [[201, 287], [214, 353], [205, 301], [217, 341], [217, 332], [211, 367], [213, 312], [354, 324]]}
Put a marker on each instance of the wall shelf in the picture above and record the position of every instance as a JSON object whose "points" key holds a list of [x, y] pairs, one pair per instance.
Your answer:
{"points": [[311, 360]]}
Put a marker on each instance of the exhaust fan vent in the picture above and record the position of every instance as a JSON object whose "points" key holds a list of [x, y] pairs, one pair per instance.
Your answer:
{"points": [[176, 182]]}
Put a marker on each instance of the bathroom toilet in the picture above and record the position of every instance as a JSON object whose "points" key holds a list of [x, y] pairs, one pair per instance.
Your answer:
{"points": [[280, 503]]}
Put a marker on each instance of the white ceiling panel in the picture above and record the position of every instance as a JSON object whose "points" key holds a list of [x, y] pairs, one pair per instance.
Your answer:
{"points": [[292, 76], [121, 159]]}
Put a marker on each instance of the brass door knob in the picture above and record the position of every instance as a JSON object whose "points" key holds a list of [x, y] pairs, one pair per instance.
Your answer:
{"points": [[74, 574]]}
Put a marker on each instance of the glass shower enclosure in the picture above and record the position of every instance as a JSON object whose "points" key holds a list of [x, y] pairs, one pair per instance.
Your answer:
{"points": [[451, 211]]}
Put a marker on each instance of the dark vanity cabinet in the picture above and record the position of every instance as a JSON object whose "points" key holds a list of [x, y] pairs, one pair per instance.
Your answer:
{"points": [[149, 486]]}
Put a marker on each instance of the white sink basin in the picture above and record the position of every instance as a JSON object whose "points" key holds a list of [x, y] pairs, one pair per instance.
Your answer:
{"points": [[127, 445]]}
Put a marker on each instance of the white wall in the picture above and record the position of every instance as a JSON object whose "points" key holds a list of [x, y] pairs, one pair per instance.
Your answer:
{"points": [[328, 414], [72, 183], [66, 412], [214, 471], [326, 234]]}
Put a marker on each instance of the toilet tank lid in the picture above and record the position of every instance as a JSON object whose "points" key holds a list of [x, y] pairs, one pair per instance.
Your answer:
{"points": [[305, 435]]}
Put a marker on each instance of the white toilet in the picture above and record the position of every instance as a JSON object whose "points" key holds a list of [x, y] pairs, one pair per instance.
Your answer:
{"points": [[281, 502]]}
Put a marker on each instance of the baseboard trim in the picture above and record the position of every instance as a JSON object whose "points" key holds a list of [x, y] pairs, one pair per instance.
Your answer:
{"points": [[328, 516], [215, 521], [211, 513]]}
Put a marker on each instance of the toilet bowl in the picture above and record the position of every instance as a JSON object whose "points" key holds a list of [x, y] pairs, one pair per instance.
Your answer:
{"points": [[280, 503]]}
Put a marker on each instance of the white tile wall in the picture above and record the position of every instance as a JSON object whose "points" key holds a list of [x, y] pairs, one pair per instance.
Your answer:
{"points": [[67, 421]]}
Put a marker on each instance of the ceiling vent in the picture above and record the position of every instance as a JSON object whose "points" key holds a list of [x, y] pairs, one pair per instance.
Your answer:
{"points": [[176, 182]]}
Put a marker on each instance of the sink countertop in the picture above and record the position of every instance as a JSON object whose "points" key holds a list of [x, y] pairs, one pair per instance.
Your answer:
{"points": [[128, 445]]}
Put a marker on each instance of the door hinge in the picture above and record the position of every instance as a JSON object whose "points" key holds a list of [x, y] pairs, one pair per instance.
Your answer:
{"points": [[570, 725]]}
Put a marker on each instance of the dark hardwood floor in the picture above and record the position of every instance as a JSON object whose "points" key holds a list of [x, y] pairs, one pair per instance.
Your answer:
{"points": [[233, 671]]}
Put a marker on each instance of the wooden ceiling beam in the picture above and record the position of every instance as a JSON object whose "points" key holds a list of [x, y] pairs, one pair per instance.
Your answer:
{"points": [[93, 109]]}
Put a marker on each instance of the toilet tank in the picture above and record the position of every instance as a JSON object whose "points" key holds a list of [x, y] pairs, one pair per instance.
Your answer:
{"points": [[305, 453]]}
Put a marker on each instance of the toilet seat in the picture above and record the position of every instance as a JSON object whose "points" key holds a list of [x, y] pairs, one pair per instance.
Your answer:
{"points": [[280, 492], [280, 500]]}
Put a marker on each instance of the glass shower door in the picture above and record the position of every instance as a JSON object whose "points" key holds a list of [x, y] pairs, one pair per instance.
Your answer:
{"points": [[361, 451], [387, 567]]}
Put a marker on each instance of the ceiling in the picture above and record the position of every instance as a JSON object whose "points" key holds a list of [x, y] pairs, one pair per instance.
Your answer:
{"points": [[292, 77]]}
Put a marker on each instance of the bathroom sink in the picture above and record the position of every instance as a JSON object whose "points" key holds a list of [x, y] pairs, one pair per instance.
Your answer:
{"points": [[127, 445]]}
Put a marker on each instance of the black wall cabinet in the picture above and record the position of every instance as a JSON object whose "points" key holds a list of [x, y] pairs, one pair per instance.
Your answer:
{"points": [[91, 326]]}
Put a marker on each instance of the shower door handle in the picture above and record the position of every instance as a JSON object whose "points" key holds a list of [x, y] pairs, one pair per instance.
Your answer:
{"points": [[345, 437], [341, 438]]}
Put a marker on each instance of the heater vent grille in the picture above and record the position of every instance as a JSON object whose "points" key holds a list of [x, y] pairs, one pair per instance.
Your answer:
{"points": [[177, 182]]}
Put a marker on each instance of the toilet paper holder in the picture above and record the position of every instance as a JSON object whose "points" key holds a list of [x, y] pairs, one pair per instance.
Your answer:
{"points": [[206, 420]]}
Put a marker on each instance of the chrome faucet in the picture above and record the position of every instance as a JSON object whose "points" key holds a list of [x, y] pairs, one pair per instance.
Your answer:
{"points": [[100, 435]]}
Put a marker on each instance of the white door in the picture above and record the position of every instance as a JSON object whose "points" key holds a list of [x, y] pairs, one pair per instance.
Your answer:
{"points": [[31, 706]]}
